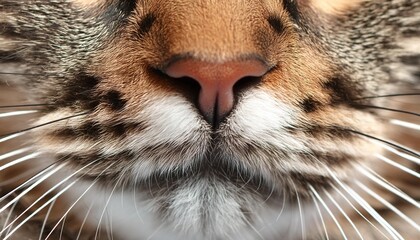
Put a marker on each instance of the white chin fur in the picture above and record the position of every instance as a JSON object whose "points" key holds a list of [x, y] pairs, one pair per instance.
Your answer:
{"points": [[131, 216]]}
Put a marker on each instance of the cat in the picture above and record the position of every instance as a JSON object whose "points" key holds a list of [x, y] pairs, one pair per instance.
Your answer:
{"points": [[203, 119]]}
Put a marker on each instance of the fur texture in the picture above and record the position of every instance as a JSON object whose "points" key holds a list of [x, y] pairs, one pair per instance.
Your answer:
{"points": [[316, 148]]}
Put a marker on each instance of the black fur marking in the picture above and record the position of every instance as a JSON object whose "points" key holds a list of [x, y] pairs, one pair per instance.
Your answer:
{"points": [[413, 60], [115, 14], [95, 130], [291, 7], [85, 158], [411, 32], [276, 24], [114, 99], [91, 130], [79, 92], [67, 132], [302, 181], [9, 56], [146, 24], [310, 105], [334, 132], [7, 30], [340, 91], [121, 129], [330, 158]]}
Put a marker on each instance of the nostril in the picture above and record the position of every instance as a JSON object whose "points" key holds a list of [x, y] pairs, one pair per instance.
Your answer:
{"points": [[219, 83], [245, 84]]}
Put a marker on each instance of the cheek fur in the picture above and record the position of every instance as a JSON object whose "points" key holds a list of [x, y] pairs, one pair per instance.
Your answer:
{"points": [[298, 157]]}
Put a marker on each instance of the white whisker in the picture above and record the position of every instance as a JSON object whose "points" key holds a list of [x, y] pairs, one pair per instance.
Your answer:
{"points": [[14, 153], [394, 233], [320, 215], [357, 210], [155, 231], [328, 210], [47, 192], [282, 207], [84, 221], [397, 165], [399, 153], [389, 205], [10, 137], [103, 212], [44, 223], [27, 182], [405, 124], [135, 197], [77, 200], [62, 228], [39, 209], [17, 113], [31, 187], [19, 160], [300, 213], [344, 213], [260, 236], [9, 215], [370, 174]]}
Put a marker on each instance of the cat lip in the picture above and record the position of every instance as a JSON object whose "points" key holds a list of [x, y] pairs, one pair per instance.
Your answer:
{"points": [[224, 171]]}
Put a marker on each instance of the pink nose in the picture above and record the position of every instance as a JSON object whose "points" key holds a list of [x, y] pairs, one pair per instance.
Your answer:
{"points": [[216, 97]]}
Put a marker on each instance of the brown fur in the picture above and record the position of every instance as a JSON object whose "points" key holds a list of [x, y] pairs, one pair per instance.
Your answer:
{"points": [[107, 65]]}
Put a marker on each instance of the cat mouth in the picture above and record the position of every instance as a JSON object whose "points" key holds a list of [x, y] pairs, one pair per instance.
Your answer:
{"points": [[212, 168]]}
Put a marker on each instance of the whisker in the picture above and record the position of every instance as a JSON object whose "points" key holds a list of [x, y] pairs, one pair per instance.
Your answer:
{"points": [[320, 215], [134, 197], [10, 137], [9, 215], [19, 160], [385, 184], [24, 74], [300, 213], [388, 142], [394, 233], [44, 223], [397, 165], [38, 210], [282, 207], [388, 95], [401, 154], [26, 105], [62, 228], [260, 236], [27, 182], [390, 109], [17, 113], [14, 153], [328, 210], [103, 212], [41, 125], [47, 192], [39, 181], [155, 231], [84, 221], [388, 205], [344, 213], [78, 199], [357, 210], [47, 202], [405, 124]]}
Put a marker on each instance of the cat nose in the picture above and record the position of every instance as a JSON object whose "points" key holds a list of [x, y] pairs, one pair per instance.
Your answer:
{"points": [[216, 97]]}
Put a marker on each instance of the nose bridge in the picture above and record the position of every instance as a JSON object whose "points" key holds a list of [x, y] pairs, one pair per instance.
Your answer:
{"points": [[212, 30]]}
